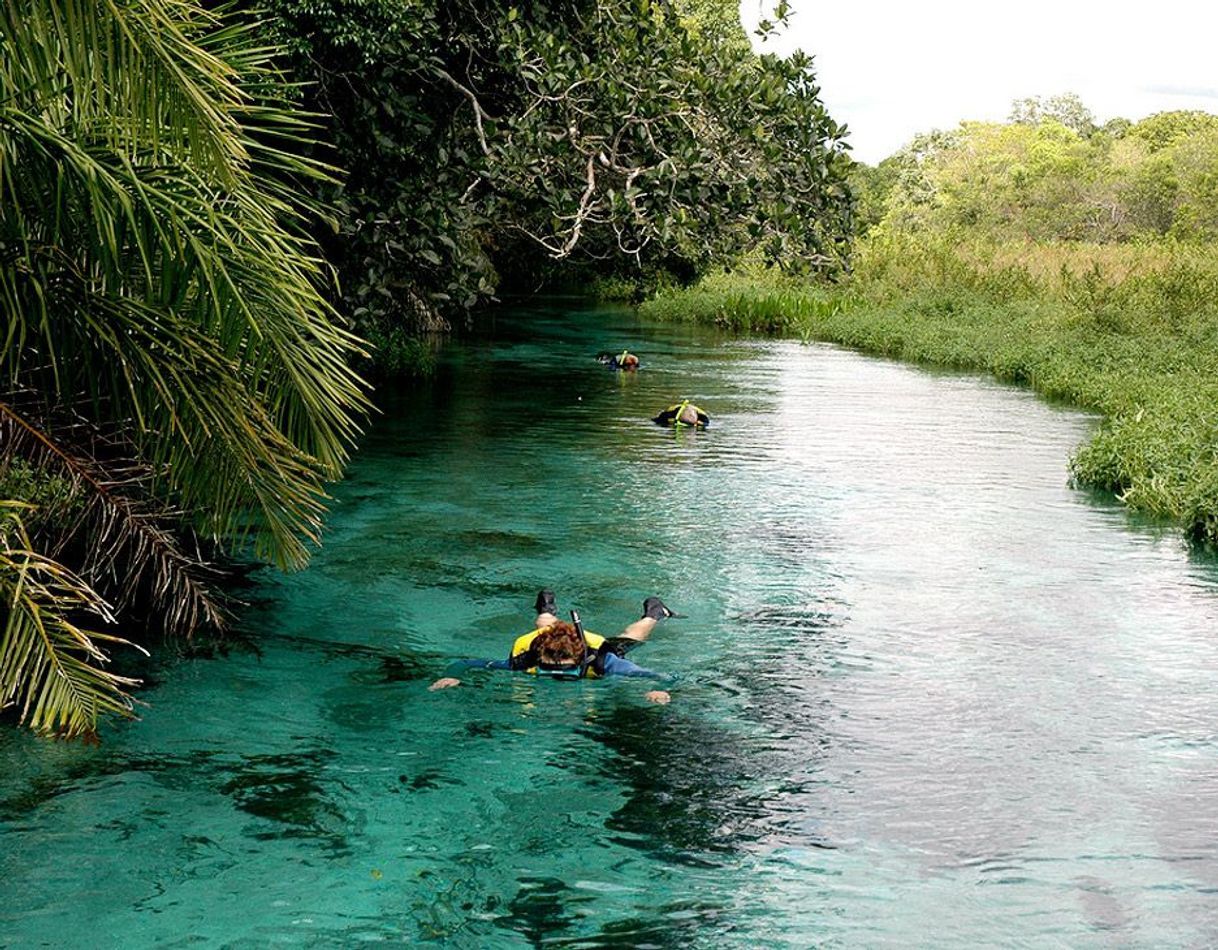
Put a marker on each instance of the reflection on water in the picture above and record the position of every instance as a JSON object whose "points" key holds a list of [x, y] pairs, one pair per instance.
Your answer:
{"points": [[925, 694]]}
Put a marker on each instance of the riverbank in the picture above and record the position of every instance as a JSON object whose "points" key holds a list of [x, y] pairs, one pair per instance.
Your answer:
{"points": [[1128, 332]]}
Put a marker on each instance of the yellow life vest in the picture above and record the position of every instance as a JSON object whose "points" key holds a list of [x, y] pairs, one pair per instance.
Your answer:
{"points": [[522, 644]]}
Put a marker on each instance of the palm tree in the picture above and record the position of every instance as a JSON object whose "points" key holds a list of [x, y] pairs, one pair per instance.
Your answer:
{"points": [[165, 346]]}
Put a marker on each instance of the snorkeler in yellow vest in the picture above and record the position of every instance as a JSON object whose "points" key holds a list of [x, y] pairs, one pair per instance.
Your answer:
{"points": [[557, 648], [682, 414], [624, 360]]}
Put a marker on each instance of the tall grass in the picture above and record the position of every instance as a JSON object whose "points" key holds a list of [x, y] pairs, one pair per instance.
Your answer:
{"points": [[1130, 332]]}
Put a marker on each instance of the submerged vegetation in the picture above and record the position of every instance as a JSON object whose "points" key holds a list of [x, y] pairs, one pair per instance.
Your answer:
{"points": [[969, 263]]}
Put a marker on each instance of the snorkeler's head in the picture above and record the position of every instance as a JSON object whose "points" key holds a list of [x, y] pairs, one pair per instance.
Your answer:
{"points": [[559, 645]]}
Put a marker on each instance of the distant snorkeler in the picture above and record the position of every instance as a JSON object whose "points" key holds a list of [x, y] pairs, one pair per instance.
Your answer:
{"points": [[682, 414], [560, 649], [624, 360]]}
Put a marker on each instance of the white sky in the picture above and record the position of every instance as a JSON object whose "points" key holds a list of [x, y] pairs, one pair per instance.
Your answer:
{"points": [[892, 69]]}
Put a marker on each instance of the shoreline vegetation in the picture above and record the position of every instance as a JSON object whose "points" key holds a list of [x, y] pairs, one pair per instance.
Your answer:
{"points": [[1127, 331]]}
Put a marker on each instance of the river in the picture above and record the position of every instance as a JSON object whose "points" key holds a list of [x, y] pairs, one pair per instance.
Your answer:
{"points": [[925, 693]]}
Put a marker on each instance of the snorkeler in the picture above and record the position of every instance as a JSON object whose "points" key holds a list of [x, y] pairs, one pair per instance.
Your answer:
{"points": [[558, 648], [624, 360], [682, 414]]}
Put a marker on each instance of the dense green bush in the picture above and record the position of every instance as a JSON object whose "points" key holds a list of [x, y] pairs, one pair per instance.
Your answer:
{"points": [[505, 142]]}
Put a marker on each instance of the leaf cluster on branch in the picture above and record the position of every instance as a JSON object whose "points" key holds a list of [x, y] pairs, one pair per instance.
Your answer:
{"points": [[493, 139]]}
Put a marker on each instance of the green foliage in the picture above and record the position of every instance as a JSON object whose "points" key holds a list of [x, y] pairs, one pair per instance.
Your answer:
{"points": [[153, 262], [1051, 175], [500, 138], [50, 669], [401, 353], [167, 349], [1165, 129], [872, 187], [49, 496], [1066, 109], [1133, 337]]}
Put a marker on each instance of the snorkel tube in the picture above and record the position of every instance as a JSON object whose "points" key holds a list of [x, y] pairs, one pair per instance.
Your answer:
{"points": [[579, 628]]}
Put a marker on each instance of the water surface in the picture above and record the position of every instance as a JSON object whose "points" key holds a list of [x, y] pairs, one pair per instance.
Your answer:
{"points": [[926, 694]]}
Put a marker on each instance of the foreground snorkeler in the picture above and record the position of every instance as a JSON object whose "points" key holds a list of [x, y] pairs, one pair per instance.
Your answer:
{"points": [[682, 414], [624, 360], [557, 648]]}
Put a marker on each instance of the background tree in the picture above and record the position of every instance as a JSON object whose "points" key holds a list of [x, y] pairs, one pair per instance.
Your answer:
{"points": [[1066, 109], [498, 138], [1038, 178]]}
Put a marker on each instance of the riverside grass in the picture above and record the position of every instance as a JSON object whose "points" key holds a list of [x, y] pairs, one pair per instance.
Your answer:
{"points": [[1129, 332]]}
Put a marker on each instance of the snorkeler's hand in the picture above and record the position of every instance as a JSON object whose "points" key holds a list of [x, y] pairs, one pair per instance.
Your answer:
{"points": [[444, 683], [658, 696]]}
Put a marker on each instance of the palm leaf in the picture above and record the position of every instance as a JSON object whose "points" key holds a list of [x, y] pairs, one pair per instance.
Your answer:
{"points": [[50, 669], [126, 547], [153, 264]]}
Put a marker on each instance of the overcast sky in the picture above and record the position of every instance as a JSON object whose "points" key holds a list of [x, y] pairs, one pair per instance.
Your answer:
{"points": [[890, 70]]}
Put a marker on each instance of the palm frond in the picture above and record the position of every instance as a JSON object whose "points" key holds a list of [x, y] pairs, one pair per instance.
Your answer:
{"points": [[51, 669], [126, 548], [153, 260]]}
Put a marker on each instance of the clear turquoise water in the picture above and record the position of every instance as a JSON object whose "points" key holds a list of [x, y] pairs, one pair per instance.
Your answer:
{"points": [[926, 694]]}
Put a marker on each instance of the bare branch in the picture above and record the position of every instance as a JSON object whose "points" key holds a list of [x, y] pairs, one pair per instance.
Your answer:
{"points": [[479, 112]]}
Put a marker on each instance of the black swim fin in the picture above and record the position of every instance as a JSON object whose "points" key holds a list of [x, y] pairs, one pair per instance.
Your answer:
{"points": [[656, 609], [545, 603]]}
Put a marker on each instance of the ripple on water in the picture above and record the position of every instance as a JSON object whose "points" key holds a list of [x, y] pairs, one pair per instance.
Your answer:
{"points": [[925, 693]]}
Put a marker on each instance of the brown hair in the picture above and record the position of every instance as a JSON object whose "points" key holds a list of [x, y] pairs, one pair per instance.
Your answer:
{"points": [[559, 643]]}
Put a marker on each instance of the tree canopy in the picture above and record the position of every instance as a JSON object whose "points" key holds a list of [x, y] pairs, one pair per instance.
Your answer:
{"points": [[487, 139], [1051, 173]]}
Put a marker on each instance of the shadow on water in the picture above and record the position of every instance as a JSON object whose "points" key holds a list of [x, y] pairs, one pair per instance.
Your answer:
{"points": [[697, 796], [547, 912], [285, 792]]}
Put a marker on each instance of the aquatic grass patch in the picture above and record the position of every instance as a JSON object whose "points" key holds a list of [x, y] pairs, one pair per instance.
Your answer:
{"points": [[1130, 333], [756, 303]]}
